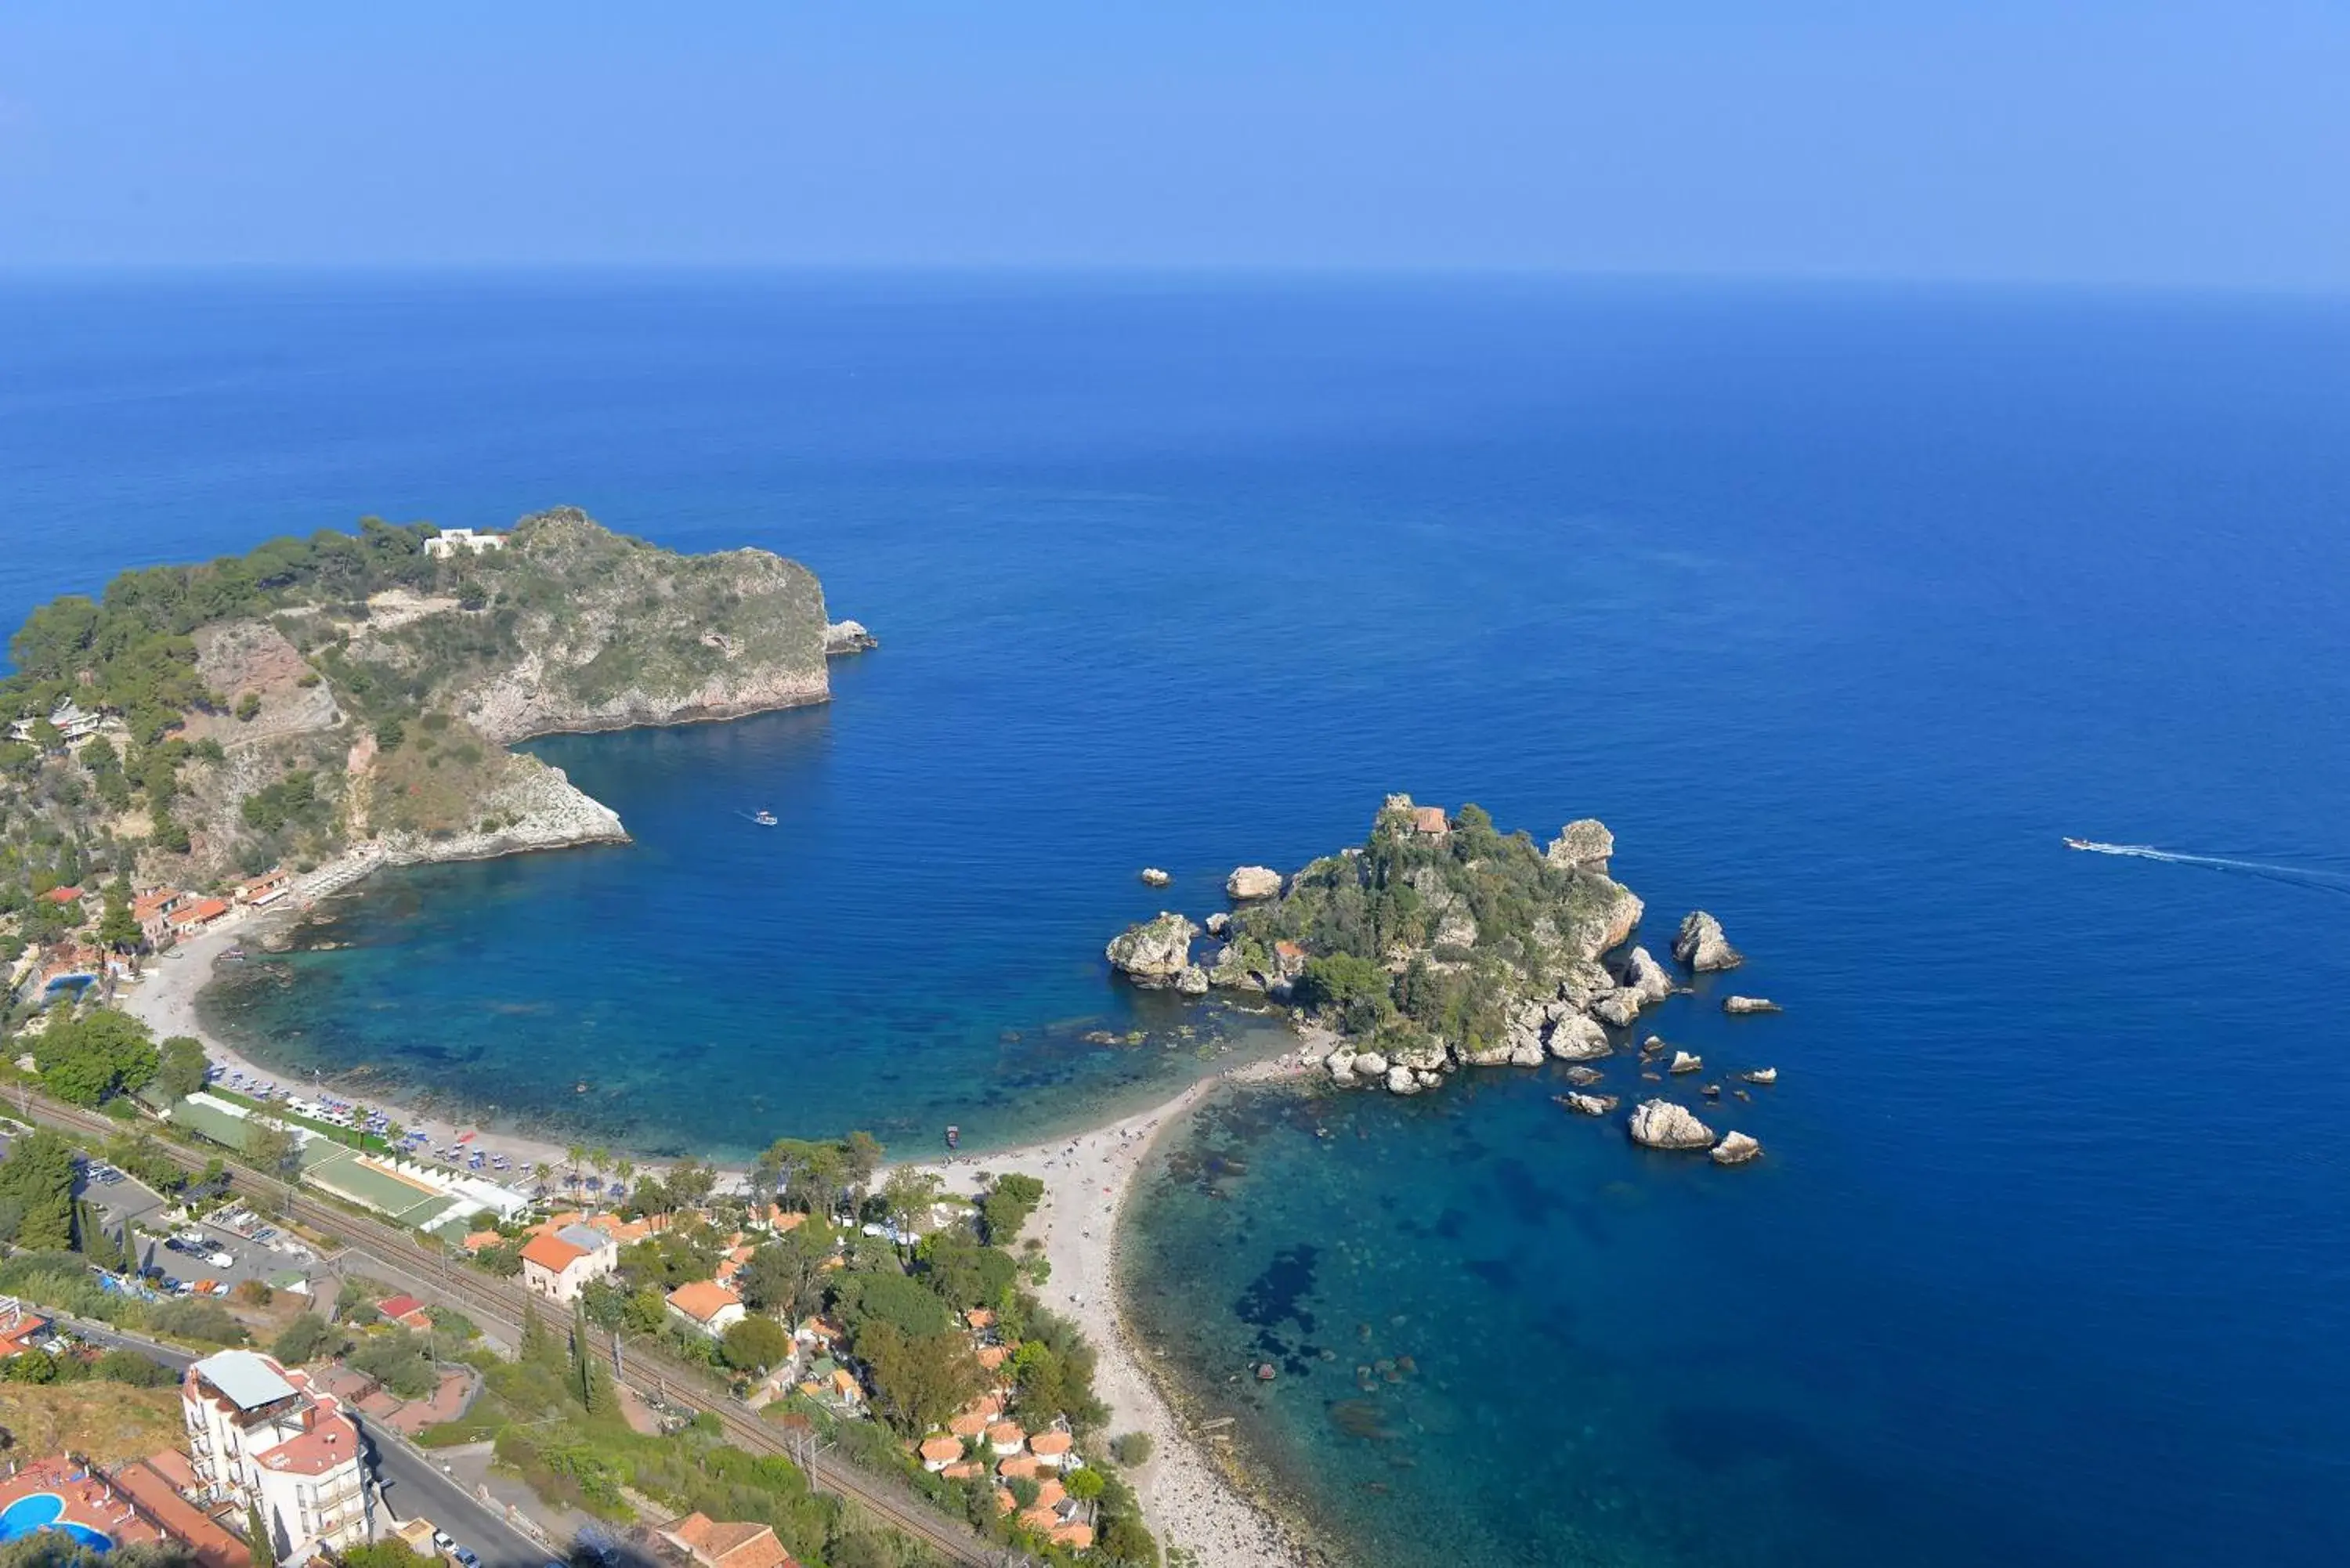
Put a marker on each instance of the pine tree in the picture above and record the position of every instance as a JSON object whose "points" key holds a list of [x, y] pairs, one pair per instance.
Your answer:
{"points": [[537, 1344], [256, 1535], [600, 1397]]}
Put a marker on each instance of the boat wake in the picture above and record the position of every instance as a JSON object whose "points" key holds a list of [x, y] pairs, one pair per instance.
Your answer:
{"points": [[2297, 875]]}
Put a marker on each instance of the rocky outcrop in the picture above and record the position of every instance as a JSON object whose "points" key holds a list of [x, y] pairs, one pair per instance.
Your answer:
{"points": [[848, 637], [534, 807], [1583, 1077], [1154, 953], [1661, 1124], [1739, 1005], [1702, 945], [1218, 924], [1621, 1007], [1401, 1080], [1685, 1062], [1152, 876], [1645, 975], [1191, 980], [1736, 1148], [1762, 1076], [1252, 882], [1572, 1038], [1583, 846], [1588, 1105]]}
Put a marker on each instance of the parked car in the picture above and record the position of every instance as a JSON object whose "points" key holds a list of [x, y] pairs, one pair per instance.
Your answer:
{"points": [[221, 1260]]}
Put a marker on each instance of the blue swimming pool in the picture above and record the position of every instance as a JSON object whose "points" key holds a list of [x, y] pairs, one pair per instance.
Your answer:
{"points": [[41, 1511]]}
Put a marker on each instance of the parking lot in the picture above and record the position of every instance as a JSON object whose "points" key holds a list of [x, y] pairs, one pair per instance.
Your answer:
{"points": [[181, 1251]]}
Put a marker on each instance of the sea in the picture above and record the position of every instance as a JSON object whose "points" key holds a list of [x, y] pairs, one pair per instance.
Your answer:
{"points": [[1840, 604]]}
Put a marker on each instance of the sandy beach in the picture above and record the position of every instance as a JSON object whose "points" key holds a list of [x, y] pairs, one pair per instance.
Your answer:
{"points": [[1087, 1178]]}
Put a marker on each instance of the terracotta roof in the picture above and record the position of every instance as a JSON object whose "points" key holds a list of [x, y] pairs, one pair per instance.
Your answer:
{"points": [[970, 1424], [704, 1300], [398, 1306], [1008, 1433], [148, 903], [963, 1472], [992, 1356], [1429, 819], [197, 913], [63, 895], [1051, 1445], [737, 1545], [331, 1442], [942, 1448], [1076, 1537], [979, 1317], [1018, 1467], [156, 1492], [553, 1254], [1050, 1491], [1038, 1517], [1003, 1500], [478, 1240], [173, 1465]]}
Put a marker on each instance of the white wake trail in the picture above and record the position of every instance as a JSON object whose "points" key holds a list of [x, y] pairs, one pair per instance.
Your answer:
{"points": [[2303, 875]]}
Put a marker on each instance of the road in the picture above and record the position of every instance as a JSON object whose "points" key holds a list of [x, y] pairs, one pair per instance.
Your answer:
{"points": [[497, 1306], [407, 1482]]}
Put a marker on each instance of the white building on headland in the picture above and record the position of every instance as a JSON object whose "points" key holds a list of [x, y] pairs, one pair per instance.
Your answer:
{"points": [[75, 723], [449, 541], [262, 1438]]}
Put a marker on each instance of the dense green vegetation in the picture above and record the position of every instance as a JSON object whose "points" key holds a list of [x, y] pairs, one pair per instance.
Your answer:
{"points": [[1422, 940]]}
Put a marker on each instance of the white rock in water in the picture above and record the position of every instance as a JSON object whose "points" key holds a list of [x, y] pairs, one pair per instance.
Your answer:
{"points": [[1702, 945], [1371, 1063], [1762, 1076], [848, 636], [1749, 1004], [1582, 845], [1685, 1062], [1645, 975], [1254, 882], [1619, 1007], [1401, 1082], [1218, 924], [1661, 1124], [1152, 876], [1588, 1105], [1155, 953], [1191, 980], [1575, 1038], [1736, 1148]]}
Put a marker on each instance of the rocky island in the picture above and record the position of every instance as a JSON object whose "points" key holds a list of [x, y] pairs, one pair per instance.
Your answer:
{"points": [[356, 695], [1442, 943]]}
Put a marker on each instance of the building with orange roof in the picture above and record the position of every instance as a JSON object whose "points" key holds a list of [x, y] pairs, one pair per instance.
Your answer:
{"points": [[62, 895], [1004, 1502], [154, 1486], [970, 1423], [1019, 1467], [1430, 820], [267, 1439], [980, 1318], [991, 1356], [153, 909], [1049, 1492], [1051, 1447], [1007, 1438], [741, 1544], [195, 917], [782, 1219], [478, 1241], [1077, 1537], [706, 1306], [559, 1264], [962, 1471], [939, 1452]]}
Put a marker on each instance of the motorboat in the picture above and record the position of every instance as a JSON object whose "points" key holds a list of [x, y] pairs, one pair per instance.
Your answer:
{"points": [[765, 818]]}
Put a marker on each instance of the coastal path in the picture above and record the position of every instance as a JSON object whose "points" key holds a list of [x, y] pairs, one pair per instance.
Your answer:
{"points": [[498, 1304]]}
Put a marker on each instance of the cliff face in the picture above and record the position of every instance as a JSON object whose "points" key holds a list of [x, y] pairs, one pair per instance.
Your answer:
{"points": [[382, 726], [611, 633]]}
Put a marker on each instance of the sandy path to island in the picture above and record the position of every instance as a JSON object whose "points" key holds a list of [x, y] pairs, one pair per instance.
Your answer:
{"points": [[1087, 1177], [164, 999]]}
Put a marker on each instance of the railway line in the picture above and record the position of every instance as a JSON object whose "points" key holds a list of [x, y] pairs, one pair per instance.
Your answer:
{"points": [[647, 1371]]}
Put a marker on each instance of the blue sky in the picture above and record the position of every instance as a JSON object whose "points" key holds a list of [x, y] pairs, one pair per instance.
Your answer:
{"points": [[2193, 143]]}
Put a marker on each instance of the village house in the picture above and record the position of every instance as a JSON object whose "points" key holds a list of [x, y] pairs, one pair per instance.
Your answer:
{"points": [[265, 889], [733, 1545], [63, 897], [407, 1312], [706, 1306], [191, 918], [153, 909], [449, 542], [558, 1264], [262, 1438], [74, 723], [1430, 820], [939, 1452]]}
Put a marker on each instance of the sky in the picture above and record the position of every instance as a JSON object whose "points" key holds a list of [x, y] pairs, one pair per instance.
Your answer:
{"points": [[2083, 141]]}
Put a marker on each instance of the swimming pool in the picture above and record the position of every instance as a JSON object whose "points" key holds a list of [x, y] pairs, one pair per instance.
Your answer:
{"points": [[44, 1510]]}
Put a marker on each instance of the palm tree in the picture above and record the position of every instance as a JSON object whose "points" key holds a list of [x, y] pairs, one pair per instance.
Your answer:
{"points": [[575, 1153], [541, 1173]]}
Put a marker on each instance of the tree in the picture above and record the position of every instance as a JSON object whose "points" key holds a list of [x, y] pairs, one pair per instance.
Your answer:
{"points": [[304, 1339], [248, 707], [257, 1538], [539, 1344], [271, 1149], [39, 1174], [786, 1275], [755, 1344], [182, 1066], [83, 1060], [1085, 1485], [118, 928], [964, 1273], [1008, 1204], [908, 1195], [904, 1303], [919, 1381]]}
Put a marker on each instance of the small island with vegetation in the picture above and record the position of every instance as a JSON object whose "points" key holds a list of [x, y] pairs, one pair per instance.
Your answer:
{"points": [[1442, 943]]}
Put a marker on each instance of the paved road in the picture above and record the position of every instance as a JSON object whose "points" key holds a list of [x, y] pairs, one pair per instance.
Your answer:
{"points": [[407, 1482]]}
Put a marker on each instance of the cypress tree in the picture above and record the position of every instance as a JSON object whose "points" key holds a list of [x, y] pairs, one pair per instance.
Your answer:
{"points": [[264, 1550]]}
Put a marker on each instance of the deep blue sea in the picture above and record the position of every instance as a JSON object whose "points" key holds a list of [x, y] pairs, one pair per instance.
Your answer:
{"points": [[1838, 605]]}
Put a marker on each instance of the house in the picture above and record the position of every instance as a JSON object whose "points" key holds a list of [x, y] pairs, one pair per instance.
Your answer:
{"points": [[265, 889], [407, 1312], [1019, 1467], [152, 910], [1007, 1438], [449, 542], [707, 1307], [264, 1438], [20, 1329], [557, 1264], [74, 723], [190, 919], [62, 897], [736, 1545], [1051, 1449], [1430, 820], [939, 1452]]}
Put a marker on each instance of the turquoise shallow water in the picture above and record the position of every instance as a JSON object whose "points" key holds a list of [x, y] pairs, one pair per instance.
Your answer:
{"points": [[1839, 606]]}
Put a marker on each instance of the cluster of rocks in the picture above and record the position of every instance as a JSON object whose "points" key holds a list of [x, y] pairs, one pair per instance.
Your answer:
{"points": [[1661, 1124]]}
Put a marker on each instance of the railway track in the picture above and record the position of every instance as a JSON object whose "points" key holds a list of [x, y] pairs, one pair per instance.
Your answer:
{"points": [[646, 1370]]}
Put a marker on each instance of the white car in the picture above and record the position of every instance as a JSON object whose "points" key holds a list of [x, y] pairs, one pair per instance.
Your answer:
{"points": [[221, 1260]]}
